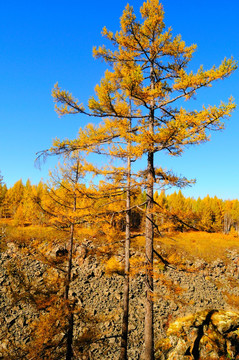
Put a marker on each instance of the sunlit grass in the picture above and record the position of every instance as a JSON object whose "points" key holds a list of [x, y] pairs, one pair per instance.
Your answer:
{"points": [[191, 245], [207, 246], [188, 245], [23, 234]]}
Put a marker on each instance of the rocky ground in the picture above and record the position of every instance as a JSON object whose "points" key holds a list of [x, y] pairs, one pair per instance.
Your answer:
{"points": [[179, 291]]}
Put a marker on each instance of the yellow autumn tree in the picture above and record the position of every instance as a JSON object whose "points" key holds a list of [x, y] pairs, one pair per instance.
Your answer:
{"points": [[150, 67], [68, 207], [3, 190], [13, 199], [79, 210]]}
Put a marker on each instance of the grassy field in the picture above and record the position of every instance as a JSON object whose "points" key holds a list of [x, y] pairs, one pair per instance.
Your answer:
{"points": [[207, 246], [189, 245]]}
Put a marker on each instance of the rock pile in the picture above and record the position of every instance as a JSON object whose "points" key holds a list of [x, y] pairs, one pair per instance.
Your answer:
{"points": [[178, 292]]}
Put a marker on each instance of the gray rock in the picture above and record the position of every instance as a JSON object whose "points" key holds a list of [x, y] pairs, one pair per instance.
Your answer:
{"points": [[99, 298]]}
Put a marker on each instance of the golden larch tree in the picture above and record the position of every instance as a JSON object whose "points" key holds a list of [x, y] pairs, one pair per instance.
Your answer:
{"points": [[150, 67]]}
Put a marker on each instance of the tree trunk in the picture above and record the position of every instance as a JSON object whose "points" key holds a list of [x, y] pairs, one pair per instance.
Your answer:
{"points": [[69, 352], [124, 340], [125, 321], [149, 236]]}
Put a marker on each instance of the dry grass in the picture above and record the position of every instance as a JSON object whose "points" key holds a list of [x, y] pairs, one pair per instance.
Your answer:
{"points": [[207, 246], [20, 234], [178, 246], [191, 245]]}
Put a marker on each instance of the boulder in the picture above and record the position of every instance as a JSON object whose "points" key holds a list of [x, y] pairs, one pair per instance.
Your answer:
{"points": [[205, 335]]}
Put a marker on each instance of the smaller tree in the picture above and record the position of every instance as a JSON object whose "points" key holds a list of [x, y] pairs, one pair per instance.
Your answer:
{"points": [[3, 191], [13, 199], [69, 208]]}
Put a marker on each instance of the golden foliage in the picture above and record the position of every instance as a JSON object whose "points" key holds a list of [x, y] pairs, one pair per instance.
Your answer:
{"points": [[114, 266], [138, 101]]}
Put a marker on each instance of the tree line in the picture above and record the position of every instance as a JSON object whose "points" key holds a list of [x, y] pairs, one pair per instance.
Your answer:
{"points": [[173, 212]]}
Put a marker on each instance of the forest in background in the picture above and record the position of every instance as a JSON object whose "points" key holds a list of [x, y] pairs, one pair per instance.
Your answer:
{"points": [[24, 204]]}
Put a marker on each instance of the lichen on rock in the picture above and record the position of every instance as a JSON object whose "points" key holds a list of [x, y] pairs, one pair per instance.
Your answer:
{"points": [[206, 335]]}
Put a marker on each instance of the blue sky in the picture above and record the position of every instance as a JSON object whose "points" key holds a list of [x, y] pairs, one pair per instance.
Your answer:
{"points": [[43, 42]]}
